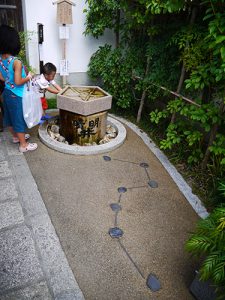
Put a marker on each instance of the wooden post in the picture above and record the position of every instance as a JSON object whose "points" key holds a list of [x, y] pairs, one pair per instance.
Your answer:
{"points": [[64, 16], [64, 58]]}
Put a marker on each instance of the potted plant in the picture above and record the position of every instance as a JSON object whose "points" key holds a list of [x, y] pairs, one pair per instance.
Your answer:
{"points": [[208, 242]]}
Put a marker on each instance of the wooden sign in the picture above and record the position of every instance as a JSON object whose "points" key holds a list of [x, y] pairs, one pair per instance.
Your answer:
{"points": [[64, 11], [81, 129]]}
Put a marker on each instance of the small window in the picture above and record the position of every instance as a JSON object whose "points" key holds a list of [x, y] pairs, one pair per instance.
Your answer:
{"points": [[11, 13]]}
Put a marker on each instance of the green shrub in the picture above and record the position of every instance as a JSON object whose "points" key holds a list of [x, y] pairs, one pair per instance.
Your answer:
{"points": [[51, 103], [208, 241]]}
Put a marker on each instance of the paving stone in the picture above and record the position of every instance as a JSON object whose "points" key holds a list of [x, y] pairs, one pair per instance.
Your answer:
{"points": [[4, 169], [70, 295], [57, 270], [12, 149], [37, 291], [8, 189], [10, 214], [18, 261], [31, 199], [2, 156]]}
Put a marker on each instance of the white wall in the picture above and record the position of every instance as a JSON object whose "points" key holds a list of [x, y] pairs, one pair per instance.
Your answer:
{"points": [[79, 47]]}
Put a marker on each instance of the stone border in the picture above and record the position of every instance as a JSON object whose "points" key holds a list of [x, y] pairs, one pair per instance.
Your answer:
{"points": [[84, 150], [185, 189]]}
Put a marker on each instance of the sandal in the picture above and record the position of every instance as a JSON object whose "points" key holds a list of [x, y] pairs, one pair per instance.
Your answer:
{"points": [[46, 117], [29, 147], [15, 139]]}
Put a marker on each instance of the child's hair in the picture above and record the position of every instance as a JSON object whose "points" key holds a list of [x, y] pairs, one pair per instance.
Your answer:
{"points": [[9, 40], [48, 68]]}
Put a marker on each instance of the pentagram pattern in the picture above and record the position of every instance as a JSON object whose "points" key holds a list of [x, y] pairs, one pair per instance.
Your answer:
{"points": [[117, 233]]}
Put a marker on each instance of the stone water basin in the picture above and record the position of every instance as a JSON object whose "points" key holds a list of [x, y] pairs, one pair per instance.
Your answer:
{"points": [[83, 113], [84, 100]]}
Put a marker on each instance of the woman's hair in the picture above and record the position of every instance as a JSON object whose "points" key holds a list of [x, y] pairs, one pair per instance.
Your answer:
{"points": [[48, 68], [9, 40]]}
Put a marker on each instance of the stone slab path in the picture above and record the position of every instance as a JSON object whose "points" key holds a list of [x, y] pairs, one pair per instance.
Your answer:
{"points": [[32, 262]]}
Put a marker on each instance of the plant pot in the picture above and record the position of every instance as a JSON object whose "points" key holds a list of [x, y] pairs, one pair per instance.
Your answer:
{"points": [[202, 290]]}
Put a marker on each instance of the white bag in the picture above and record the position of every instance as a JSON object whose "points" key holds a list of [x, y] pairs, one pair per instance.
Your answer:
{"points": [[32, 108]]}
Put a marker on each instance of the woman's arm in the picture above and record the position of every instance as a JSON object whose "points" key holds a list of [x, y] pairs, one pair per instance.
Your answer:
{"points": [[1, 77], [18, 73]]}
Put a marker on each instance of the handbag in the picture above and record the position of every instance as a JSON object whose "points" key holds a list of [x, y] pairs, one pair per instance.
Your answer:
{"points": [[32, 108]]}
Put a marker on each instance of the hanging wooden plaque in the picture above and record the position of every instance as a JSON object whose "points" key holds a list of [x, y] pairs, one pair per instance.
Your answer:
{"points": [[64, 12]]}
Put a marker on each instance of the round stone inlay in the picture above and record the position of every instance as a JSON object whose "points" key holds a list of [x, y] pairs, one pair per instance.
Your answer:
{"points": [[106, 158], [153, 184], [115, 232], [122, 189], [153, 283], [144, 165], [115, 207]]}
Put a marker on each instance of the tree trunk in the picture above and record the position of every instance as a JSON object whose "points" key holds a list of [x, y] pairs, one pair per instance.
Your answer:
{"points": [[211, 140], [117, 30], [212, 137], [143, 96], [182, 74], [206, 94], [181, 80]]}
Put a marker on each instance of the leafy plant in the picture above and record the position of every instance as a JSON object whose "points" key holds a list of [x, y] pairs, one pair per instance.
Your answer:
{"points": [[190, 41], [25, 36], [208, 241], [52, 103], [165, 44], [114, 68]]}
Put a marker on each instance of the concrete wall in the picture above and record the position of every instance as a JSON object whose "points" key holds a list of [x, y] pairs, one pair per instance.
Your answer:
{"points": [[78, 48]]}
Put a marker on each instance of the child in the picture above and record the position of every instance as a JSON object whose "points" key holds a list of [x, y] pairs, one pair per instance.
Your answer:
{"points": [[43, 82], [13, 74]]}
